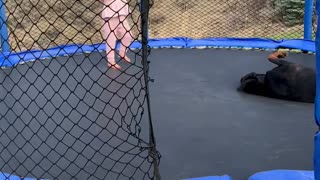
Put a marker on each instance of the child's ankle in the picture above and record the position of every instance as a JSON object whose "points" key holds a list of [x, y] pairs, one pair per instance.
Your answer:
{"points": [[112, 61]]}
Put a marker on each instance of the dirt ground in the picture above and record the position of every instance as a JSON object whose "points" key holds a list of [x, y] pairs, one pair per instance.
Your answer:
{"points": [[35, 24]]}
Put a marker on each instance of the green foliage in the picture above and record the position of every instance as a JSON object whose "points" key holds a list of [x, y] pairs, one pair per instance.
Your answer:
{"points": [[290, 12]]}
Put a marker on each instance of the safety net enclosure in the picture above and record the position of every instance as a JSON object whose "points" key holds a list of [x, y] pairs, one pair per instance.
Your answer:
{"points": [[75, 98], [266, 24], [66, 112]]}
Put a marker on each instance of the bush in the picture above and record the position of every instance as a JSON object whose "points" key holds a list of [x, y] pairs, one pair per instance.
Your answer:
{"points": [[290, 12]]}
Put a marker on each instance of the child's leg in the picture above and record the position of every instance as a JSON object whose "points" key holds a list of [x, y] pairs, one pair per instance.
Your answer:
{"points": [[126, 37], [109, 28]]}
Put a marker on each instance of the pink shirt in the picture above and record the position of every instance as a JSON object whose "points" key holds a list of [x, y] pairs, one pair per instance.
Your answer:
{"points": [[115, 8]]}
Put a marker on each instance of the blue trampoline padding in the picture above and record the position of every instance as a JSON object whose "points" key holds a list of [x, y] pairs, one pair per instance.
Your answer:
{"points": [[235, 42], [316, 154], [260, 43], [283, 175], [6, 176], [224, 177], [180, 42], [304, 45], [9, 59]]}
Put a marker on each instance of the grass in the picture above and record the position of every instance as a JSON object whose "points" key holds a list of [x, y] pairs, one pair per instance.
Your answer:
{"points": [[290, 34], [294, 34]]}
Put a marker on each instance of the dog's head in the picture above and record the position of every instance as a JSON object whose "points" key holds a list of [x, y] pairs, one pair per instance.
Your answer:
{"points": [[252, 83]]}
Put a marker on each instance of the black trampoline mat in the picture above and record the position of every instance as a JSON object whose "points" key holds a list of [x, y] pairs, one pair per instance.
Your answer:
{"points": [[71, 118], [203, 125]]}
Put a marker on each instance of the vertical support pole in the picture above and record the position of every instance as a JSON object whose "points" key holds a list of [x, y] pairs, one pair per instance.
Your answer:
{"points": [[5, 47], [145, 5], [308, 11], [146, 33], [316, 151]]}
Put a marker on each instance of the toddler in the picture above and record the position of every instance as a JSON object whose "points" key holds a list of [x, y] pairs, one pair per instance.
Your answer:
{"points": [[115, 14]]}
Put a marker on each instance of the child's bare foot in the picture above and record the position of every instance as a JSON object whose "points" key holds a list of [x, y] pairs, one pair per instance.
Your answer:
{"points": [[126, 58], [114, 65]]}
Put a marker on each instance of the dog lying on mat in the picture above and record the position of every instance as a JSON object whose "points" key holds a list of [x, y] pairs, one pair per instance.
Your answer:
{"points": [[288, 81]]}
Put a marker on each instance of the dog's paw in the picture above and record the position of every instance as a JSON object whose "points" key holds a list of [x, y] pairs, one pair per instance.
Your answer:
{"points": [[281, 54]]}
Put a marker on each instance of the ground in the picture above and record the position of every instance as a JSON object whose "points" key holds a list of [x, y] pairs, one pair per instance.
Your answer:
{"points": [[42, 24]]}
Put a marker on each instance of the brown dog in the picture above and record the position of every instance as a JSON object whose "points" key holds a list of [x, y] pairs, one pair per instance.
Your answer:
{"points": [[288, 81]]}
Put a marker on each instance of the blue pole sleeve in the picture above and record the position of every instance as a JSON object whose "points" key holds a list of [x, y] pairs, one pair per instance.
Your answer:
{"points": [[5, 47], [316, 154], [308, 11]]}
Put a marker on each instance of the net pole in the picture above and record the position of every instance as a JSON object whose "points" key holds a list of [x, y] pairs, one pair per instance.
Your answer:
{"points": [[308, 12], [144, 27], [5, 47], [316, 151], [147, 33]]}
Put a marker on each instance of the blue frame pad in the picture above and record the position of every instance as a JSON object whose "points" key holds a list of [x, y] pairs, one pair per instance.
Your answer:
{"points": [[9, 59], [283, 175], [224, 177]]}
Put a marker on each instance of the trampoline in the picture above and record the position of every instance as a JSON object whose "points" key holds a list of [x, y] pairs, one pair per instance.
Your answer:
{"points": [[211, 128], [65, 115]]}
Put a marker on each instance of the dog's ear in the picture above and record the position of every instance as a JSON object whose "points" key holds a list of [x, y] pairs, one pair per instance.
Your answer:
{"points": [[251, 75], [247, 84]]}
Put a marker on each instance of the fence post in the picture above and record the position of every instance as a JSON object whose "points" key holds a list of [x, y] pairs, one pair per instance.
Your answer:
{"points": [[308, 11]]}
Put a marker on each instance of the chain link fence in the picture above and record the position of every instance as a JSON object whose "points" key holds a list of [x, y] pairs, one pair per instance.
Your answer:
{"points": [[76, 116], [276, 19]]}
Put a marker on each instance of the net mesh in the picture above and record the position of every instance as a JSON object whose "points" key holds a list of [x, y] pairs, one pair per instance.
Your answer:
{"points": [[276, 19], [39, 24], [54, 23], [78, 116]]}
